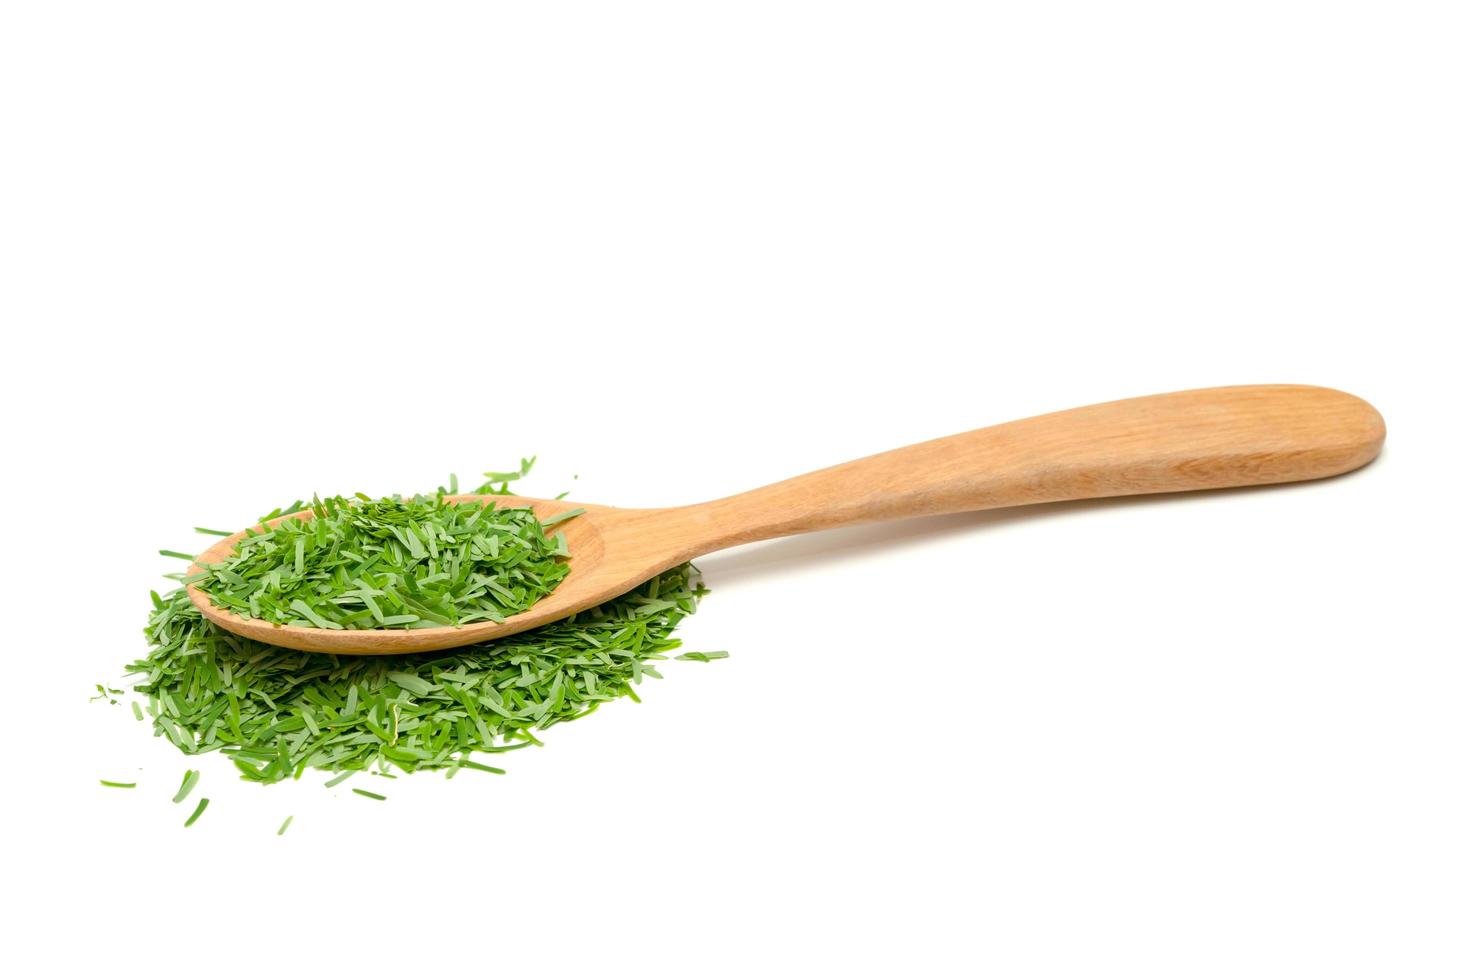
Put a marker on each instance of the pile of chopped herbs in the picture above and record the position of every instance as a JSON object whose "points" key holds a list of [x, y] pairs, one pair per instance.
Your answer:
{"points": [[391, 563], [277, 712]]}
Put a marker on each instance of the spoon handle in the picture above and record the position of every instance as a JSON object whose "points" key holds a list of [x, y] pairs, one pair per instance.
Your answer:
{"points": [[1187, 440]]}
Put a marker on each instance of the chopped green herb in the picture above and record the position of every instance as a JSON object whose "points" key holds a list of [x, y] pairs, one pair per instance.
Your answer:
{"points": [[137, 711], [467, 764], [258, 703], [493, 477], [176, 554], [284, 825], [210, 530], [391, 563], [105, 693], [278, 712], [108, 782], [191, 778], [369, 794], [703, 657], [203, 802], [564, 517]]}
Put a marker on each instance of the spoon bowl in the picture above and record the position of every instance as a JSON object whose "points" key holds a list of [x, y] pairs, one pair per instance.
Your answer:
{"points": [[1205, 439]]}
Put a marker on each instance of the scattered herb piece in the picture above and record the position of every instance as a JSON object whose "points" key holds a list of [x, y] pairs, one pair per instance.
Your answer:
{"points": [[203, 802], [191, 779], [505, 478], [704, 658], [284, 825], [108, 782], [468, 764], [137, 711], [368, 793], [564, 517]]}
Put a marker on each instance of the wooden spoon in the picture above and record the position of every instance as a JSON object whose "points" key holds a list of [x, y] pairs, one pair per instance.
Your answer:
{"points": [[1188, 440]]}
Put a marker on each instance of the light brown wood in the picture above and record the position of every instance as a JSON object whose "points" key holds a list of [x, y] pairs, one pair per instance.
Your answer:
{"points": [[1187, 440]]}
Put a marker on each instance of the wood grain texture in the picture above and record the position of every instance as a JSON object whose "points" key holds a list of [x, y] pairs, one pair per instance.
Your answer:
{"points": [[1189, 440]]}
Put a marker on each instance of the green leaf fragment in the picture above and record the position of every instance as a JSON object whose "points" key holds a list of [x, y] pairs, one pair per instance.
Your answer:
{"points": [[191, 779], [510, 477], [564, 517], [313, 616], [411, 682], [277, 712], [468, 764], [405, 563], [203, 802]]}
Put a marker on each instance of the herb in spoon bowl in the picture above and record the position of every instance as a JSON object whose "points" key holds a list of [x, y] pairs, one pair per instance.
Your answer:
{"points": [[390, 563]]}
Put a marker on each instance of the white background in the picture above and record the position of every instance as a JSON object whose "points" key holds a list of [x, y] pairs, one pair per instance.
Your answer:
{"points": [[250, 251]]}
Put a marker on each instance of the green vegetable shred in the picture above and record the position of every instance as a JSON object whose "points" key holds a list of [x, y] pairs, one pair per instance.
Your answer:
{"points": [[203, 802], [277, 712], [391, 563], [191, 777]]}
